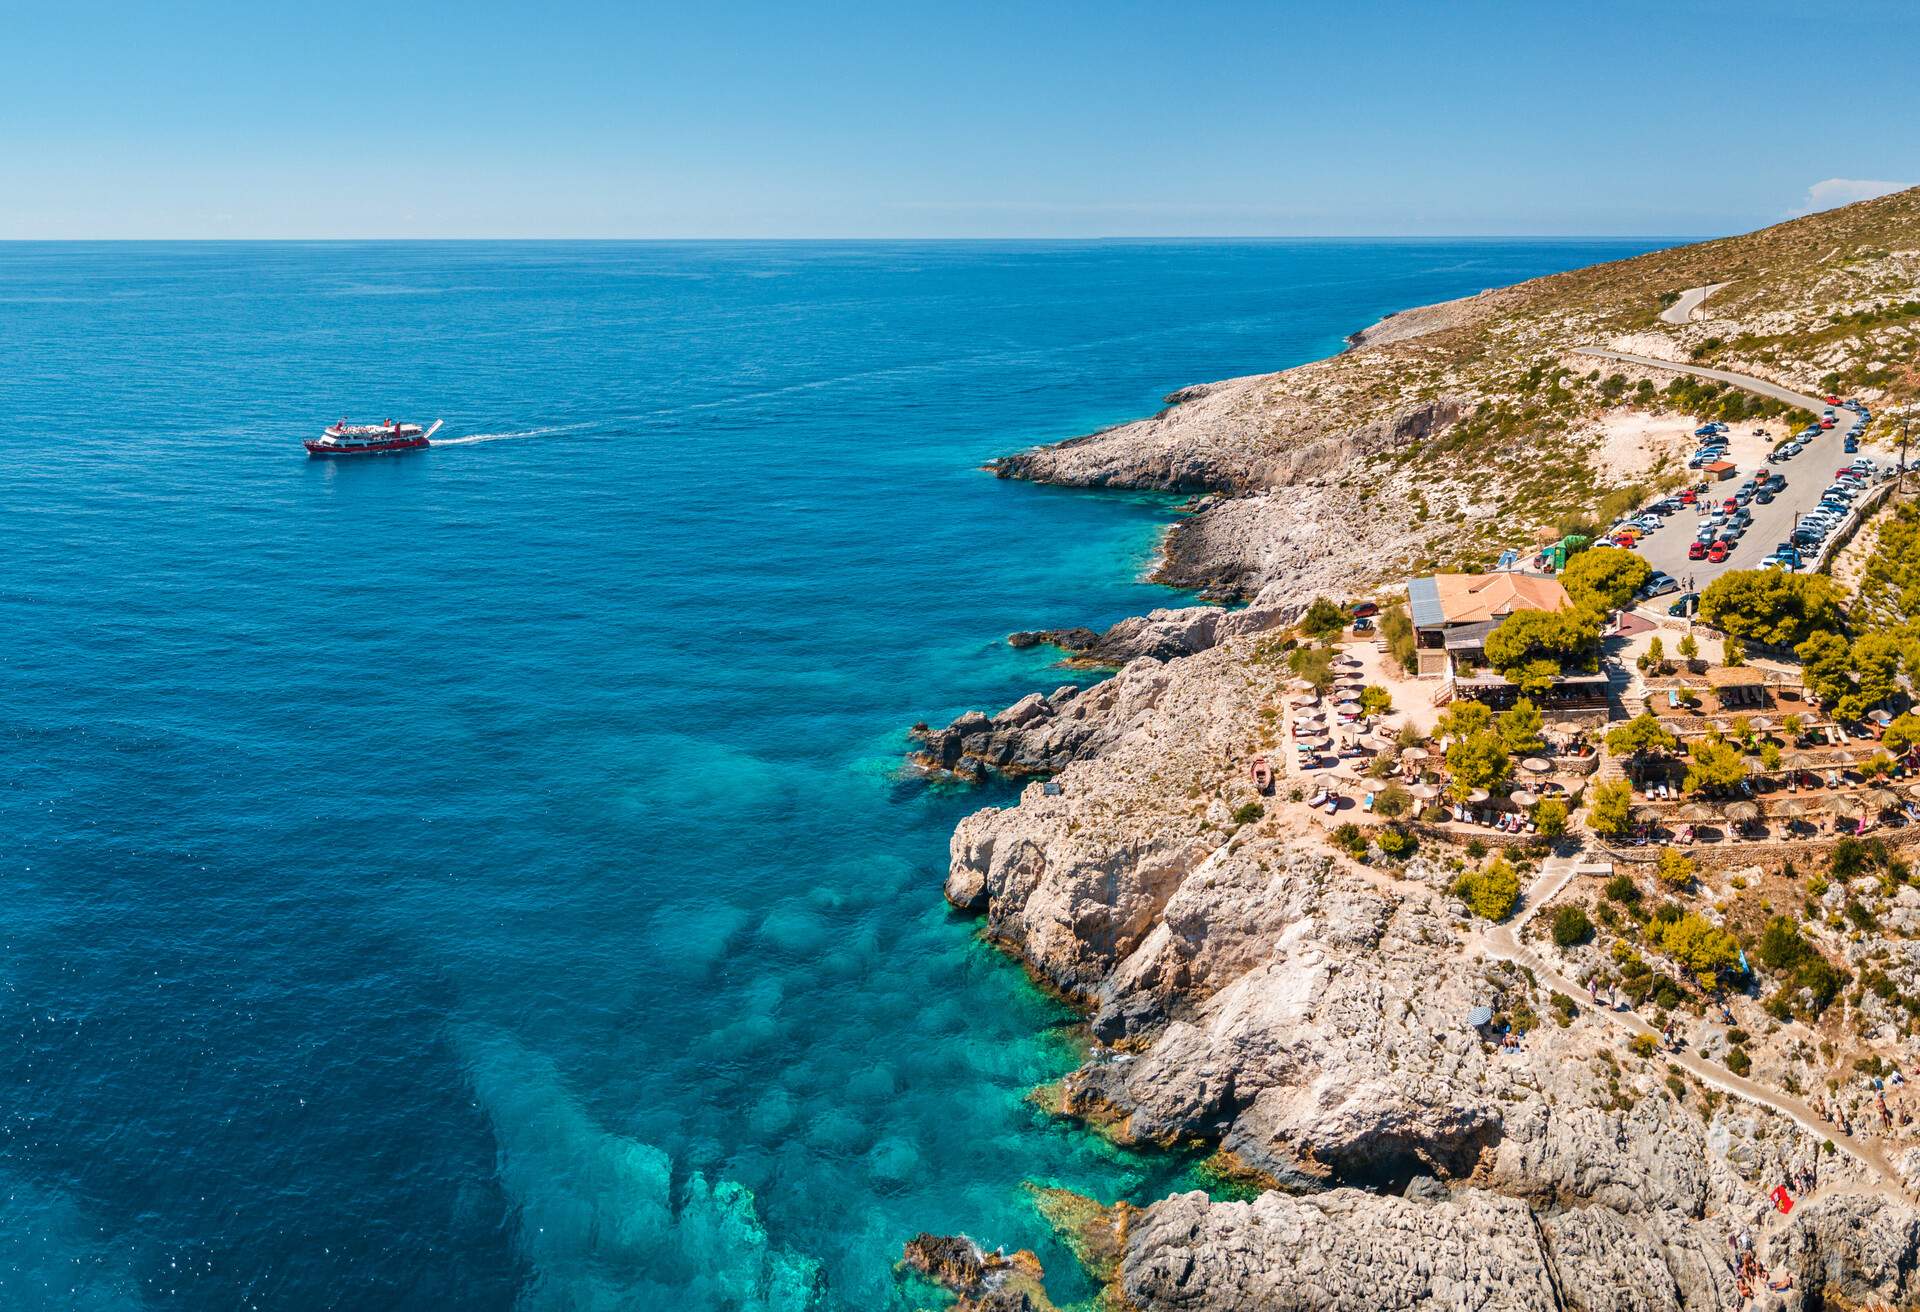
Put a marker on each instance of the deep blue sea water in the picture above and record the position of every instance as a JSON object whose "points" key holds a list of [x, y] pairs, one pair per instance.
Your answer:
{"points": [[483, 878]]}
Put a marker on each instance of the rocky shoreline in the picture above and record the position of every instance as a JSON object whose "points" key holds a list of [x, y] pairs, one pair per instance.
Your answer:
{"points": [[1251, 990]]}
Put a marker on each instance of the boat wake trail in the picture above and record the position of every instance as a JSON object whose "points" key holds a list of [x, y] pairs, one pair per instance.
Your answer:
{"points": [[502, 437]]}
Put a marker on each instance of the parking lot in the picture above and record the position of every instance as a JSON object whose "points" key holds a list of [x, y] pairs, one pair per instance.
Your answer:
{"points": [[1808, 475]]}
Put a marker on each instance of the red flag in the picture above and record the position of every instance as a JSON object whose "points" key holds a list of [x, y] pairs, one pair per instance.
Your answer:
{"points": [[1782, 1199]]}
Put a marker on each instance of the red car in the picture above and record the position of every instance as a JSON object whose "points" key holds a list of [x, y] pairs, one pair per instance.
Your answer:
{"points": [[1697, 551], [1689, 497], [1730, 505], [1833, 400], [1826, 423], [1717, 552]]}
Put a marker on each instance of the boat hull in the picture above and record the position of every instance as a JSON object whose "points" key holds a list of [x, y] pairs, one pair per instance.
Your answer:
{"points": [[343, 450]]}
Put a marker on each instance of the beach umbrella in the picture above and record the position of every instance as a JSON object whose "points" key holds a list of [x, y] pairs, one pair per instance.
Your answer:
{"points": [[1880, 717], [1375, 743], [1791, 808], [1302, 703], [1347, 708], [1425, 792], [1521, 797], [1884, 798], [1761, 723], [1799, 761], [1414, 754], [1743, 813], [1721, 725], [1693, 813], [1537, 764], [1479, 1016], [1373, 785], [1478, 795], [1847, 806], [1646, 815], [1913, 790], [1301, 685]]}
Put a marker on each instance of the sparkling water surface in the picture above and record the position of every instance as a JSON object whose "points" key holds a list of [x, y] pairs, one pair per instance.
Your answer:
{"points": [[484, 878]]}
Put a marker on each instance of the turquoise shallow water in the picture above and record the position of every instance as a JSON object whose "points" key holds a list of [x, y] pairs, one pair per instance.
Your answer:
{"points": [[483, 878]]}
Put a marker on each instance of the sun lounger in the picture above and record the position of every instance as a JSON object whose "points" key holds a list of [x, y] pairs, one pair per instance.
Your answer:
{"points": [[1368, 804]]}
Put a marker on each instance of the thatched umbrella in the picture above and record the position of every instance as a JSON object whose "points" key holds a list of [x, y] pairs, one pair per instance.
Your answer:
{"points": [[1791, 808], [1884, 798], [1303, 703], [1760, 723], [1521, 797], [1882, 718], [1425, 792], [1373, 785], [1913, 790], [1478, 796], [1743, 812], [1647, 815], [1695, 813], [1798, 761], [1537, 764], [1414, 754], [1374, 743], [1847, 806]]}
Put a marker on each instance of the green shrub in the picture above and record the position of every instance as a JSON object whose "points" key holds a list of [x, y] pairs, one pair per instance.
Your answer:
{"points": [[1323, 619], [1550, 817], [1621, 888], [1642, 1045], [1492, 891], [1395, 842], [1571, 926], [1247, 812], [1738, 1062]]}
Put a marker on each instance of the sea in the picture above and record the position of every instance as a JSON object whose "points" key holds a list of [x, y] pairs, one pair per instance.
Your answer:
{"points": [[486, 878]]}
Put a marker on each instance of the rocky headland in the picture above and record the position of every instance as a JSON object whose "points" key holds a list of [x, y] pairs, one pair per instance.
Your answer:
{"points": [[1252, 990]]}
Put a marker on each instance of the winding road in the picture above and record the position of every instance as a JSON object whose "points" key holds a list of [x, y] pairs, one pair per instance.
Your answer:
{"points": [[1682, 310]]}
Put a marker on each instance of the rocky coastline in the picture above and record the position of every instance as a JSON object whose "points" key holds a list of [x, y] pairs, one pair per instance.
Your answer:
{"points": [[1250, 989]]}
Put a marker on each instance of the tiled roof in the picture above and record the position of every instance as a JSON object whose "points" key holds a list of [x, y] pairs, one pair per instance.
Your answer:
{"points": [[1444, 599]]}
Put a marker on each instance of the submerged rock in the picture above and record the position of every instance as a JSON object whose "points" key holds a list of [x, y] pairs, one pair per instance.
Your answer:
{"points": [[983, 1281]]}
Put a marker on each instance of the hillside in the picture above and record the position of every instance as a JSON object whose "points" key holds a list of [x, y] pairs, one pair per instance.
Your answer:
{"points": [[1451, 431]]}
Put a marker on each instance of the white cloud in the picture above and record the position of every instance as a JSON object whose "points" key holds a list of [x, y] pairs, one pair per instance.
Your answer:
{"points": [[1845, 191]]}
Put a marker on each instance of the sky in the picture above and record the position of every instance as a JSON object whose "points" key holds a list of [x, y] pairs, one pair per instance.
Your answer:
{"points": [[744, 119]]}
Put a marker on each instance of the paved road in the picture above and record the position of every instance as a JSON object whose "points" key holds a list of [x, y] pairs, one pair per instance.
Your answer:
{"points": [[1758, 386], [1807, 474], [1682, 310]]}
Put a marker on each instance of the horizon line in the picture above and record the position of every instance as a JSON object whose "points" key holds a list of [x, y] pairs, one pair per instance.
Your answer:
{"points": [[1109, 238]]}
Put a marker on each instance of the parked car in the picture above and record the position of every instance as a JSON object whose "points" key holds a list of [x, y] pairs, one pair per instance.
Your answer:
{"points": [[1764, 498], [1660, 585], [1717, 553], [1685, 604], [1697, 550]]}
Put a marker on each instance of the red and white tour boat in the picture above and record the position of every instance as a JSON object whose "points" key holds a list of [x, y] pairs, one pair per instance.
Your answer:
{"points": [[387, 439]]}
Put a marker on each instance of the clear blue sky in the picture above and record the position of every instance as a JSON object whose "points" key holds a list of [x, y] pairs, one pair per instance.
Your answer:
{"points": [[743, 119]]}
